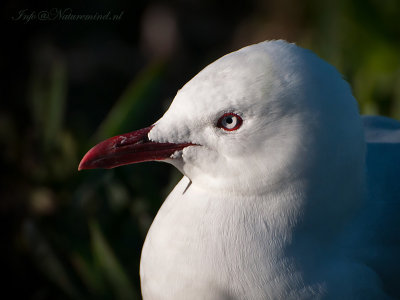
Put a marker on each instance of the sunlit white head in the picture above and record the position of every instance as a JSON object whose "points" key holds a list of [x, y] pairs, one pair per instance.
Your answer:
{"points": [[267, 113]]}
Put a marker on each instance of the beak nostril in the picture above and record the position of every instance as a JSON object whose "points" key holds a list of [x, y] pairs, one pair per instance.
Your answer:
{"points": [[121, 142]]}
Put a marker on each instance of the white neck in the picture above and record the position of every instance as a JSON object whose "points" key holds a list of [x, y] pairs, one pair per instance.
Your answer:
{"points": [[200, 238]]}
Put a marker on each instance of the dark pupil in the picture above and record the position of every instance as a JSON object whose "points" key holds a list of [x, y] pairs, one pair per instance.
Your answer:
{"points": [[229, 120]]}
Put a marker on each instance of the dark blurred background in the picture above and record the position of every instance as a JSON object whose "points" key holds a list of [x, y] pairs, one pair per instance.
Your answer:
{"points": [[69, 83]]}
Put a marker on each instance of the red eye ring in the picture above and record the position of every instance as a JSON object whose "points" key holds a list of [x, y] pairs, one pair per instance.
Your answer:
{"points": [[230, 122]]}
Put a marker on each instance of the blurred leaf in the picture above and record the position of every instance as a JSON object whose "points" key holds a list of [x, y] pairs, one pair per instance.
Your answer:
{"points": [[63, 159], [56, 102], [90, 275], [47, 261], [48, 96], [132, 103], [109, 264]]}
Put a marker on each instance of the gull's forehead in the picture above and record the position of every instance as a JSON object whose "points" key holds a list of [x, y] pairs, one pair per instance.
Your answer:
{"points": [[233, 81]]}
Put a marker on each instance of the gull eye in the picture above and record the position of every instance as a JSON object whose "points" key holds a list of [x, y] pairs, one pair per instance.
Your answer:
{"points": [[230, 122]]}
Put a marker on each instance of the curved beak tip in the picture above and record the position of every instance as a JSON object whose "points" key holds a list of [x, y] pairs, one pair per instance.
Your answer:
{"points": [[81, 165]]}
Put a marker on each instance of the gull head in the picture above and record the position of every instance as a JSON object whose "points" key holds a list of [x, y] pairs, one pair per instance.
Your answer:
{"points": [[258, 118]]}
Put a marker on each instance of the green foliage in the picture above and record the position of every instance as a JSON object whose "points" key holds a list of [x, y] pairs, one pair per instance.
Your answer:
{"points": [[361, 39], [109, 266]]}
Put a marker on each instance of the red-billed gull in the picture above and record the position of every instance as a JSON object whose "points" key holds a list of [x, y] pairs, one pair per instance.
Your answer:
{"points": [[287, 192]]}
